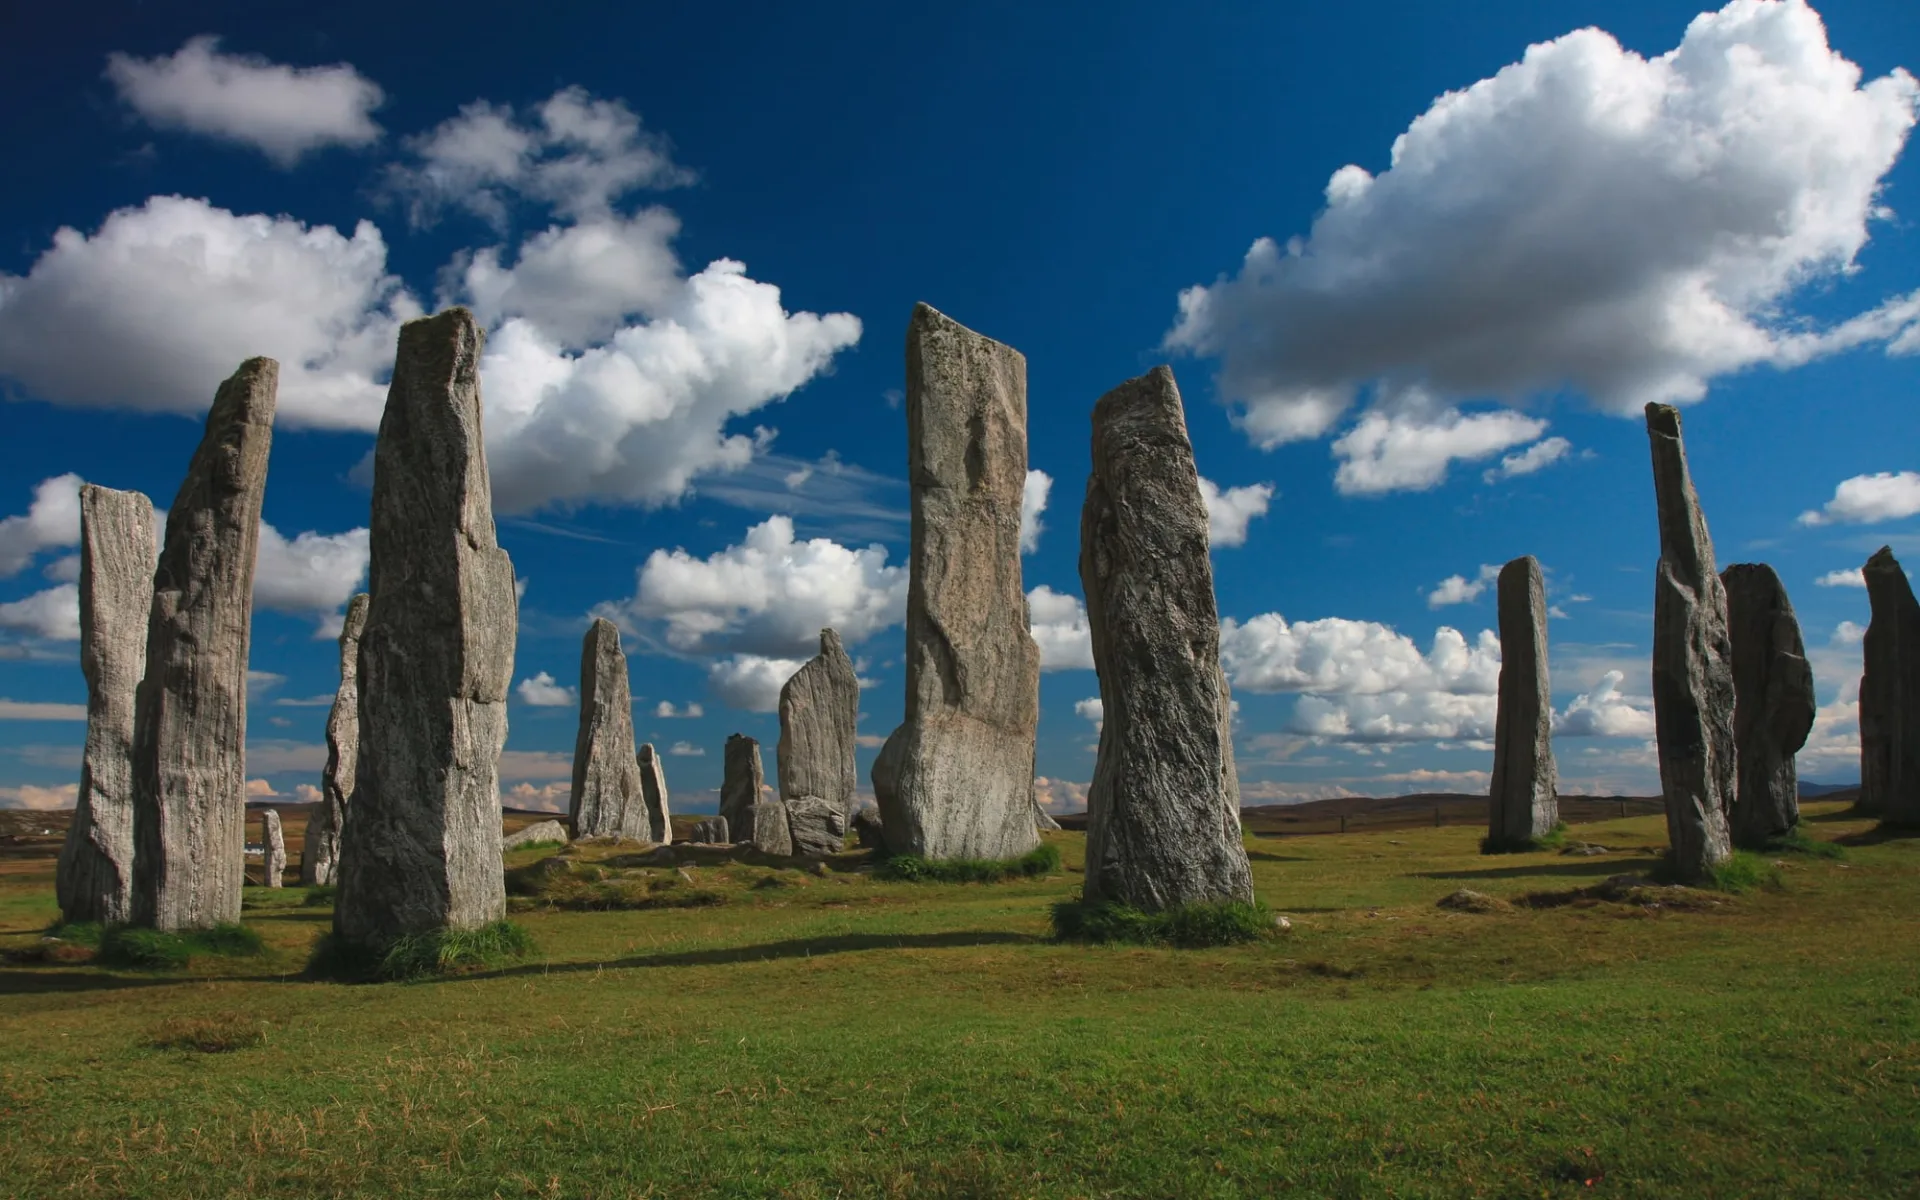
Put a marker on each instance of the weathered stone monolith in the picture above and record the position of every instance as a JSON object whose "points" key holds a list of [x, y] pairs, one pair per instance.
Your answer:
{"points": [[320, 854], [190, 715], [1890, 697], [608, 800], [653, 796], [1163, 811], [94, 880], [273, 843], [741, 784], [955, 780], [819, 710], [767, 828], [1525, 790], [710, 831], [1773, 703], [819, 826], [421, 848], [1693, 693]]}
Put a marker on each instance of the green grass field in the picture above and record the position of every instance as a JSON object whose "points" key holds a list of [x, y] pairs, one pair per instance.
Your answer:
{"points": [[842, 1036]]}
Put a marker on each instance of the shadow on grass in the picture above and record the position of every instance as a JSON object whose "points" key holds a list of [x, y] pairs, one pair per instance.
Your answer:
{"points": [[27, 981], [1263, 856], [1600, 865], [846, 943], [1878, 835]]}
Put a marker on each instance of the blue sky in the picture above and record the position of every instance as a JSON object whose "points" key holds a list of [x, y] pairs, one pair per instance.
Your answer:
{"points": [[696, 239]]}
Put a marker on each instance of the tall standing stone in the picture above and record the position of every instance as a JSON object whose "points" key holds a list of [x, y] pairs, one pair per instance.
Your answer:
{"points": [[273, 846], [94, 880], [320, 855], [1773, 703], [1525, 791], [819, 710], [421, 849], [1890, 696], [741, 782], [607, 795], [1693, 694], [653, 796], [1163, 811], [955, 780], [190, 718]]}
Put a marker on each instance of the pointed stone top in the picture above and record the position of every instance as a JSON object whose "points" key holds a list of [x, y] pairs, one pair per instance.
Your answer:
{"points": [[1883, 560], [1152, 400], [355, 622], [601, 629], [646, 753], [830, 642], [1663, 419], [1524, 563], [1885, 576]]}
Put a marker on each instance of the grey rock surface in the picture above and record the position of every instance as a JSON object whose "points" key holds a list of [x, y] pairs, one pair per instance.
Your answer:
{"points": [[190, 714], [1890, 697], [818, 825], [1163, 811], [608, 798], [320, 855], [955, 780], [1773, 703], [653, 796], [866, 826], [421, 848], [767, 828], [711, 831], [539, 831], [94, 878], [1693, 694], [741, 784], [1043, 820], [274, 841], [819, 710], [1525, 788]]}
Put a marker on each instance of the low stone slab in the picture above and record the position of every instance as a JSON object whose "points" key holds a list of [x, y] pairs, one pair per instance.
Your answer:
{"points": [[818, 826], [711, 830], [767, 828], [539, 831]]}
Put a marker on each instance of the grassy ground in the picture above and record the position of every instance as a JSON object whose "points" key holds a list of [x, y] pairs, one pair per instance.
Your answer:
{"points": [[836, 1035]]}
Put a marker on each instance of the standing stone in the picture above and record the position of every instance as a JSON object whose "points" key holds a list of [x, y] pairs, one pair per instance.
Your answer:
{"points": [[421, 851], [1693, 693], [607, 794], [273, 846], [320, 856], [1163, 811], [767, 828], [818, 826], [710, 831], [658, 824], [1773, 703], [1890, 697], [741, 784], [1525, 786], [819, 710], [94, 880], [190, 715], [955, 780], [1043, 820]]}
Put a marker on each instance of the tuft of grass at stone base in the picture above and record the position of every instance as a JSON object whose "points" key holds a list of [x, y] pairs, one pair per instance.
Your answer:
{"points": [[910, 868], [422, 955], [1798, 842], [153, 949], [1189, 926], [80, 933], [1552, 839]]}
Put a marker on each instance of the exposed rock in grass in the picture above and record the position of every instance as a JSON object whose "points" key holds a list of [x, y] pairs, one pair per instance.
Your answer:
{"points": [[955, 780], [94, 880], [539, 831], [320, 855], [190, 714], [420, 854], [1468, 900], [1524, 792], [1163, 811], [1773, 705], [607, 799], [1693, 695]]}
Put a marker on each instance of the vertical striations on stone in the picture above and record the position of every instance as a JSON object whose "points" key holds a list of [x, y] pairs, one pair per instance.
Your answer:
{"points": [[421, 849], [320, 855], [607, 796], [767, 828], [741, 784], [1163, 811], [819, 711], [1693, 694], [94, 880], [273, 848], [710, 831], [1525, 791], [955, 780], [1890, 696], [658, 823], [1773, 706], [190, 720]]}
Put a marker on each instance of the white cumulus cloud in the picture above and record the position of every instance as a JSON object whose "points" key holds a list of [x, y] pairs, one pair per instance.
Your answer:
{"points": [[311, 574], [51, 521], [1458, 589], [1537, 457], [751, 681], [1868, 499], [1092, 710], [1586, 218], [1229, 512], [1033, 502], [1850, 577], [53, 613], [1059, 627], [1394, 449], [686, 750], [1604, 712], [666, 711], [543, 691], [284, 112]]}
